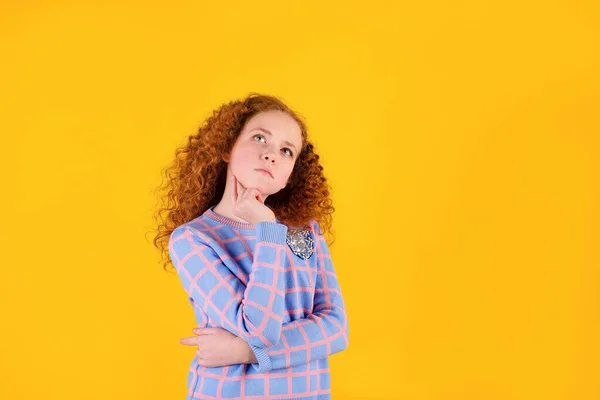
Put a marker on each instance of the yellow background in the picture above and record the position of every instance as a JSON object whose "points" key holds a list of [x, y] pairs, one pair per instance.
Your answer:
{"points": [[461, 140]]}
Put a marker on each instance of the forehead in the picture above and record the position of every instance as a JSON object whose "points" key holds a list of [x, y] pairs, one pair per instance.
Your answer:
{"points": [[279, 123]]}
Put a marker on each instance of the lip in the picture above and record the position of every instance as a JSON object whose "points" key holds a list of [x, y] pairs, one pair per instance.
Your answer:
{"points": [[266, 171]]}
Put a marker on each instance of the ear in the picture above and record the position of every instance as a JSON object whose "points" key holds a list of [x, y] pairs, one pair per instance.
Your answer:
{"points": [[225, 157]]}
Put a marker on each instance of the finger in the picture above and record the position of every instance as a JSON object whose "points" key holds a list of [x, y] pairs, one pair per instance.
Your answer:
{"points": [[250, 193], [242, 194], [189, 341], [240, 188], [241, 184], [233, 186], [204, 331]]}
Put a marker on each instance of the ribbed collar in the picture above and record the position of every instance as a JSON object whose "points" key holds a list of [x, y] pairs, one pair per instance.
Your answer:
{"points": [[231, 222]]}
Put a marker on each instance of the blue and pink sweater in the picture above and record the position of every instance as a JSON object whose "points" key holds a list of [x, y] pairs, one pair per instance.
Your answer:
{"points": [[246, 279]]}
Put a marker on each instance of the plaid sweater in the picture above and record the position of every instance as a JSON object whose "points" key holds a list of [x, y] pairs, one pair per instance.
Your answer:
{"points": [[246, 279]]}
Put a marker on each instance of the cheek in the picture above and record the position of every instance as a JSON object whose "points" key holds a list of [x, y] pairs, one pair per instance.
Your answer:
{"points": [[286, 176], [240, 157]]}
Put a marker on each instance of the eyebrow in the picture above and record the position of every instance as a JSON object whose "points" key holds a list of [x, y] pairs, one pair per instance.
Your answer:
{"points": [[269, 133]]}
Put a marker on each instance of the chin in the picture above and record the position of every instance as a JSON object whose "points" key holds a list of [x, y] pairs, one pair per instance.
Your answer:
{"points": [[259, 185], [267, 191]]}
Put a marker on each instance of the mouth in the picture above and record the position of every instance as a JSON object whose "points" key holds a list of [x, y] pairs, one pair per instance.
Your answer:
{"points": [[266, 172]]}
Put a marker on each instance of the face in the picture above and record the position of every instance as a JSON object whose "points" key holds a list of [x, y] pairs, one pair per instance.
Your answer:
{"points": [[265, 152]]}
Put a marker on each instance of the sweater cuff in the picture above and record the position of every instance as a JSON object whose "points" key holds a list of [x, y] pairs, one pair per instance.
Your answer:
{"points": [[264, 362], [272, 232]]}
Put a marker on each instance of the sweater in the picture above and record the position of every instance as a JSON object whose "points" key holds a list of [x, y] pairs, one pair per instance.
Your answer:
{"points": [[282, 298]]}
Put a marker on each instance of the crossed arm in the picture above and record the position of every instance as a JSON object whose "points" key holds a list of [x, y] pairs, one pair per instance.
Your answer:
{"points": [[246, 341]]}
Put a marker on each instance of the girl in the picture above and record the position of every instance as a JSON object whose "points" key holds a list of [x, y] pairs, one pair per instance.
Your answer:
{"points": [[247, 206]]}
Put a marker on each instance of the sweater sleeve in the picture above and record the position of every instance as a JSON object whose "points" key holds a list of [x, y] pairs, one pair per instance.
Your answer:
{"points": [[253, 311], [318, 335]]}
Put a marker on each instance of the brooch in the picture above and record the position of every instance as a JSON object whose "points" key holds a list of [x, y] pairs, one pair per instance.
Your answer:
{"points": [[301, 243]]}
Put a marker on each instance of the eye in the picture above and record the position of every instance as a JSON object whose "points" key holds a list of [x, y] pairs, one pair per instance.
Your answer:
{"points": [[259, 136], [289, 152]]}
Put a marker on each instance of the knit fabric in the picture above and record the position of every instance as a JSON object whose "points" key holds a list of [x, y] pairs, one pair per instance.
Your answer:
{"points": [[244, 278]]}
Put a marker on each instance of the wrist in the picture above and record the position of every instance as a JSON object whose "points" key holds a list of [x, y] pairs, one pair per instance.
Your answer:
{"points": [[246, 354], [261, 358]]}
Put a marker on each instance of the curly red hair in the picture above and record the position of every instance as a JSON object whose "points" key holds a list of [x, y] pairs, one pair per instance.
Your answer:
{"points": [[195, 180]]}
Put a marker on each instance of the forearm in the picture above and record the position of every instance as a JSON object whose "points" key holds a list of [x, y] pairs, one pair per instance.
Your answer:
{"points": [[317, 336], [298, 344]]}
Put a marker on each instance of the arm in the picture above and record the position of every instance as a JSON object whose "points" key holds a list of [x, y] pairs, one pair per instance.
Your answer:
{"points": [[253, 312], [320, 334]]}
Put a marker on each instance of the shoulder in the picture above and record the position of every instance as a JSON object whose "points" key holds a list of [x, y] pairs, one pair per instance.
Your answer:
{"points": [[196, 230], [315, 227], [311, 226], [192, 242]]}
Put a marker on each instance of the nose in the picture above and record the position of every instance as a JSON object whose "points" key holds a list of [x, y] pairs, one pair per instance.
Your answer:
{"points": [[269, 157]]}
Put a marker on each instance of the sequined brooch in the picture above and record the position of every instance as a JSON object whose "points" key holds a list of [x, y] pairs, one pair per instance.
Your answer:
{"points": [[301, 243]]}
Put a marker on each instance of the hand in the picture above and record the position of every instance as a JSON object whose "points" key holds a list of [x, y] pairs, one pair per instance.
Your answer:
{"points": [[248, 203], [219, 348]]}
